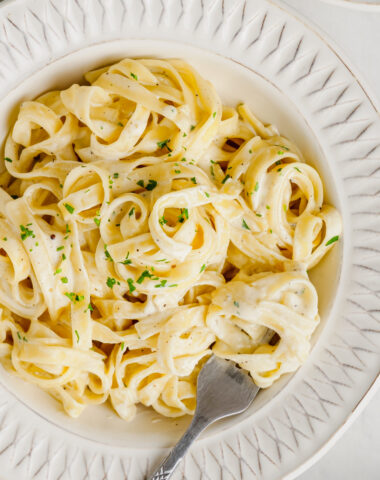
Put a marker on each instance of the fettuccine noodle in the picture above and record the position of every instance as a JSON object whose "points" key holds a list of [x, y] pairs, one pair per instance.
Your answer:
{"points": [[145, 225]]}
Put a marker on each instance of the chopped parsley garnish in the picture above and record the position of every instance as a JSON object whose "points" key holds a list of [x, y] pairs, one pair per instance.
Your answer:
{"points": [[214, 114], [63, 256], [68, 228], [140, 183], [59, 270], [151, 185], [74, 297], [133, 75], [249, 151], [162, 220], [130, 213], [115, 175], [177, 171], [97, 221], [284, 207], [298, 170], [332, 240], [122, 347], [77, 335], [21, 337], [7, 159], [161, 284], [89, 307], [258, 214], [226, 178], [69, 208], [278, 162], [5, 239], [184, 214], [192, 127], [244, 223], [164, 143], [282, 146], [110, 282], [236, 304], [212, 171], [194, 180], [207, 195], [280, 152], [174, 285], [64, 280], [163, 260], [256, 187], [145, 274], [26, 232], [120, 124], [202, 268], [130, 285], [184, 134], [267, 207], [127, 260], [107, 254]]}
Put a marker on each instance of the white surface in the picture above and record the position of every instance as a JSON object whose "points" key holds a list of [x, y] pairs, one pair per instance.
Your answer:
{"points": [[357, 33], [319, 399]]}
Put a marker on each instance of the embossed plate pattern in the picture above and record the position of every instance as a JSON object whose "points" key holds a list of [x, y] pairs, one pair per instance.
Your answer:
{"points": [[344, 364]]}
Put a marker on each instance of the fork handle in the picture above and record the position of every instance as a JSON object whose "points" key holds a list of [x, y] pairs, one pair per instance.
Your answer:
{"points": [[167, 467]]}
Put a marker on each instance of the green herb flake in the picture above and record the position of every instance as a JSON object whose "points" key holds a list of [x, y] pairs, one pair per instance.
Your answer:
{"points": [[226, 178], [164, 143], [192, 127], [256, 187], [7, 159], [59, 270], [63, 256], [90, 308], [64, 280], [130, 213], [285, 208], [115, 175], [120, 124], [74, 297], [258, 214], [249, 151], [132, 288], [69, 208], [202, 268], [244, 223], [122, 347], [194, 180], [298, 170], [77, 335], [161, 284], [278, 162], [267, 207], [214, 114], [237, 305], [5, 239], [152, 184], [97, 221], [110, 282], [26, 232], [162, 220], [133, 75], [332, 240], [127, 260], [280, 152], [145, 274], [177, 171], [140, 183], [107, 254], [207, 195]]}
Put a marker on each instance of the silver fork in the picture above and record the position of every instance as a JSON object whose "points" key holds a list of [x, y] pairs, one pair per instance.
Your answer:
{"points": [[223, 390]]}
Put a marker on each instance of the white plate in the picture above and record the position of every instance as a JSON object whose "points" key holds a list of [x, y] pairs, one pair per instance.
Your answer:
{"points": [[255, 51]]}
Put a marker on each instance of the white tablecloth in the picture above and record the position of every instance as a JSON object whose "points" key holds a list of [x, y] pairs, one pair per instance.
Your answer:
{"points": [[356, 455]]}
